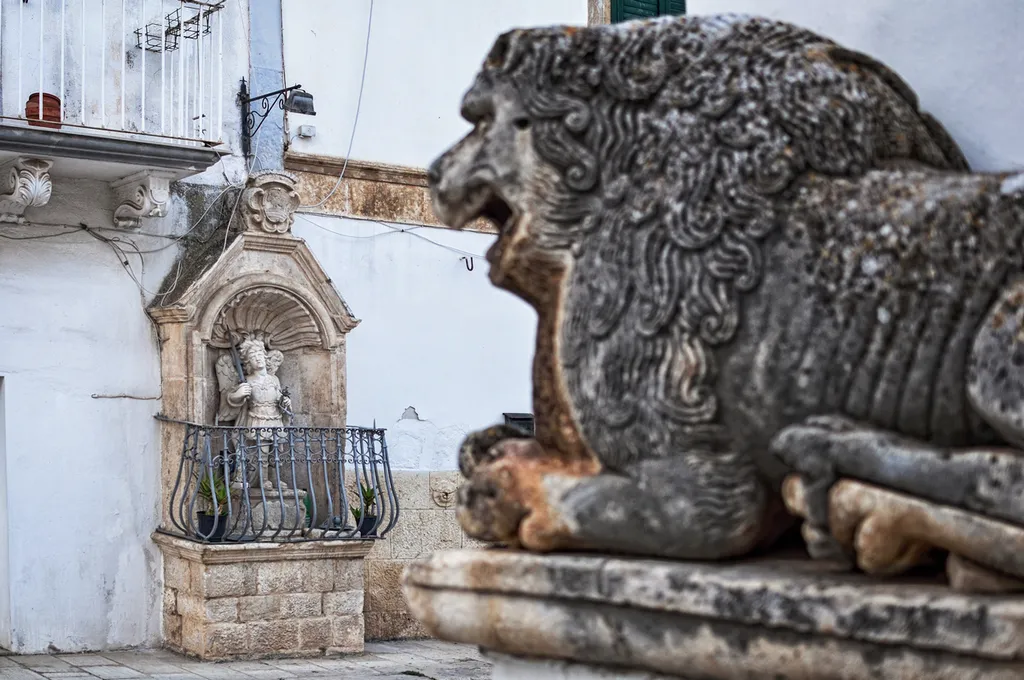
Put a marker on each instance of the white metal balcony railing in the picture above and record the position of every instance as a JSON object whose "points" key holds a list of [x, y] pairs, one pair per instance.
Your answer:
{"points": [[137, 68]]}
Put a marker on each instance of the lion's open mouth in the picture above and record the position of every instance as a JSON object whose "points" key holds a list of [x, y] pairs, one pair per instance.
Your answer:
{"points": [[497, 211]]}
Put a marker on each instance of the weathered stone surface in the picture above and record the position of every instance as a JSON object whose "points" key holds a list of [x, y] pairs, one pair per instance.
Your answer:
{"points": [[316, 633], [512, 668], [227, 580], [290, 621], [282, 606], [967, 577], [891, 532], [219, 610], [170, 603], [751, 254], [394, 625], [348, 575], [368, 190], [224, 640], [172, 630], [383, 586], [343, 603], [759, 619], [279, 577], [347, 633], [176, 573], [274, 636]]}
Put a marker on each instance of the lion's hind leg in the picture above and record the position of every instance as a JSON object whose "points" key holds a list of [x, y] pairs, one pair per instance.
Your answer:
{"points": [[695, 506], [889, 500]]}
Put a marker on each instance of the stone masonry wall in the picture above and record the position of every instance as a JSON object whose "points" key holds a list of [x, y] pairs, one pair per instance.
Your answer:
{"points": [[426, 524], [256, 600]]}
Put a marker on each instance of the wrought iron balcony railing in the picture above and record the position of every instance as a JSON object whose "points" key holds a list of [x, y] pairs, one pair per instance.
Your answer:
{"points": [[283, 484], [151, 70]]}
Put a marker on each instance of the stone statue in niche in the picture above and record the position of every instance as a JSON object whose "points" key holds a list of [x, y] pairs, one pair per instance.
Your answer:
{"points": [[251, 396], [765, 281]]}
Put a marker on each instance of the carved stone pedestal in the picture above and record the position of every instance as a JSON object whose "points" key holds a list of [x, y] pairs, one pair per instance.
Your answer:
{"points": [[751, 620], [252, 600], [282, 512]]}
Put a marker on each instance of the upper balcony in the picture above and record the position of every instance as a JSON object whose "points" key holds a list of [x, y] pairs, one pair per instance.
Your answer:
{"points": [[114, 90]]}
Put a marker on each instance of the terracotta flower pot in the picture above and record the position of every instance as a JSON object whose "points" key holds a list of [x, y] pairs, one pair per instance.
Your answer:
{"points": [[51, 111]]}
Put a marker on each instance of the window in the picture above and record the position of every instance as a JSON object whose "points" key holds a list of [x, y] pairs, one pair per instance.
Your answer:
{"points": [[626, 10]]}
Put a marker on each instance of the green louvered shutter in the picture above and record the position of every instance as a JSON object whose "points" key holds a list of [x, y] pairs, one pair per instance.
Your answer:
{"points": [[672, 6], [627, 10]]}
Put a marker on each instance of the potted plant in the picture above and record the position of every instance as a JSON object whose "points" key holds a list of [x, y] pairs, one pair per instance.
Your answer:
{"points": [[212, 526], [367, 520]]}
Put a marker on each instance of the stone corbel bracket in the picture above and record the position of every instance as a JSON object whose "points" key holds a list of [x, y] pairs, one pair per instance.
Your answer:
{"points": [[144, 194], [24, 183]]}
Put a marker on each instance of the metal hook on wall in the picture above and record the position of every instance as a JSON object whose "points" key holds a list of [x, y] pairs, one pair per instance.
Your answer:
{"points": [[469, 263]]}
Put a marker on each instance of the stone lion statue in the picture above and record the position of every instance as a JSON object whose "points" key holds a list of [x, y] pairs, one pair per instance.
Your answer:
{"points": [[767, 285]]}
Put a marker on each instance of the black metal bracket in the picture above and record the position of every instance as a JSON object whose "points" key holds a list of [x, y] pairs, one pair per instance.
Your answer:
{"points": [[252, 120]]}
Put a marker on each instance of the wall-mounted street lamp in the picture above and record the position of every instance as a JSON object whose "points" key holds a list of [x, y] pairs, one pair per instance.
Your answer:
{"points": [[293, 99]]}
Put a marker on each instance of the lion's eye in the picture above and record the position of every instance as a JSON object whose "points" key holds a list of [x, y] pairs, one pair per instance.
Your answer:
{"points": [[521, 123]]}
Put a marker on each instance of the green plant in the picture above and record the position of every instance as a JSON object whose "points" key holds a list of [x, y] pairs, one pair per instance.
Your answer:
{"points": [[218, 490], [369, 501]]}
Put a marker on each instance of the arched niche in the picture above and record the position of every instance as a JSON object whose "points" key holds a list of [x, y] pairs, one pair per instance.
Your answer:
{"points": [[266, 282]]}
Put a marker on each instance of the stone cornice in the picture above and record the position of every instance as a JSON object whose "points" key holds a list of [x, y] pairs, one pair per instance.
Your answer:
{"points": [[70, 144], [239, 553], [356, 169], [368, 190]]}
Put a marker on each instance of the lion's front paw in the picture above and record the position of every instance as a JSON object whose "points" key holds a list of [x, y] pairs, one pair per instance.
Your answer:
{"points": [[506, 499], [480, 447]]}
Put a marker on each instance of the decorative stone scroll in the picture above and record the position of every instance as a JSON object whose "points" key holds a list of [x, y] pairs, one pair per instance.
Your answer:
{"points": [[755, 262], [144, 194], [269, 202], [24, 183]]}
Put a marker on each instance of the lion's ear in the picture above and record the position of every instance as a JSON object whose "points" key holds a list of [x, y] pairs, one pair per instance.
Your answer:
{"points": [[499, 51]]}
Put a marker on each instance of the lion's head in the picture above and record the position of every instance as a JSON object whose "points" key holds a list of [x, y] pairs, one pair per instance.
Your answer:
{"points": [[649, 160]]}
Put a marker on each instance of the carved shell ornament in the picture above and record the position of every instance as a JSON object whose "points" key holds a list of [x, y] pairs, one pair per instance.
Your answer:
{"points": [[279, 317], [24, 183], [270, 202]]}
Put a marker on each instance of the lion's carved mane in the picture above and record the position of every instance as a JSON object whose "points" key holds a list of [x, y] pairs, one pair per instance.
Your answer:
{"points": [[678, 143]]}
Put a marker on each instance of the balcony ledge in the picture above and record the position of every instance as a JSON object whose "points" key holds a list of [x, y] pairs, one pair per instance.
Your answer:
{"points": [[91, 156], [139, 172]]}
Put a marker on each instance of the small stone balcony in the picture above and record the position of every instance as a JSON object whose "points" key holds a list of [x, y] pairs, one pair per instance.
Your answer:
{"points": [[268, 529]]}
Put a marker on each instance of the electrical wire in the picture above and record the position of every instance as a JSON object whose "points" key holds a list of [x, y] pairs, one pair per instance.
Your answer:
{"points": [[355, 121], [411, 230]]}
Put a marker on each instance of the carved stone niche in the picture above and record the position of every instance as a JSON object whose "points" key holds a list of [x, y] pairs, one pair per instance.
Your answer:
{"points": [[268, 296], [268, 283]]}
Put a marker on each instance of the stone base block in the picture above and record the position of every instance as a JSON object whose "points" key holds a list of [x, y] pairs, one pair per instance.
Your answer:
{"points": [[782, 617], [280, 512], [252, 600]]}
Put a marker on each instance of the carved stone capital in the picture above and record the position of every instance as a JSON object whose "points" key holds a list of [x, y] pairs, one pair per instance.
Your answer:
{"points": [[24, 183], [144, 194], [269, 202]]}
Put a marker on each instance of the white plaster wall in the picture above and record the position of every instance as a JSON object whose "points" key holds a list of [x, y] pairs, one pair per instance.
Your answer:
{"points": [[962, 57], [5, 557], [83, 474], [422, 58], [433, 335]]}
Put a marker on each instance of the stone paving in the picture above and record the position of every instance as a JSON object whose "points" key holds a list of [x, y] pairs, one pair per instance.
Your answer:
{"points": [[406, 660]]}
